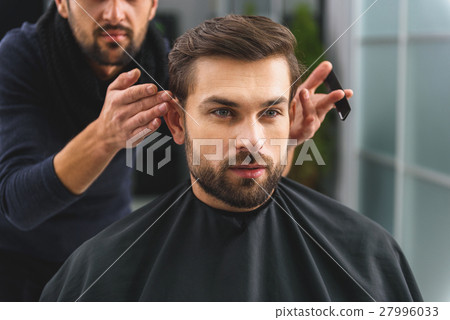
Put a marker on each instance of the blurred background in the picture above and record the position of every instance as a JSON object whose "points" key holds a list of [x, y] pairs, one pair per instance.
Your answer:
{"points": [[390, 160]]}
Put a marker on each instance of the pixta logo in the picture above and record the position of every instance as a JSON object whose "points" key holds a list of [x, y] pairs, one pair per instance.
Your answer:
{"points": [[146, 150], [219, 154], [147, 147]]}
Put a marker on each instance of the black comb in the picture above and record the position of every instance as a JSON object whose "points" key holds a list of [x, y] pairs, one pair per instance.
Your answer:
{"points": [[342, 106]]}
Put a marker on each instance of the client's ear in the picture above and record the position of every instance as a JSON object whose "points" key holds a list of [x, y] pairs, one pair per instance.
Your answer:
{"points": [[175, 121]]}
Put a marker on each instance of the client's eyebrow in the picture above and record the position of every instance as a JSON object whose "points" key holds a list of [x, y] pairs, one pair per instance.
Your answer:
{"points": [[219, 100], [229, 103]]}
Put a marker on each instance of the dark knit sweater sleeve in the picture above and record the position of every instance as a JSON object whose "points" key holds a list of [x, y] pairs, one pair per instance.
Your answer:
{"points": [[30, 191]]}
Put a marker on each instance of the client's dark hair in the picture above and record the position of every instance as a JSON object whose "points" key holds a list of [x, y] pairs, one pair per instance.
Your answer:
{"points": [[246, 38]]}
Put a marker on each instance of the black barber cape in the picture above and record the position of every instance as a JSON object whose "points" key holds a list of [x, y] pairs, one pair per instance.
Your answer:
{"points": [[179, 249]]}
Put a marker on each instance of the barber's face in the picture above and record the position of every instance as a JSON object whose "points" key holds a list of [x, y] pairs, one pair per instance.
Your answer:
{"points": [[126, 22], [229, 102]]}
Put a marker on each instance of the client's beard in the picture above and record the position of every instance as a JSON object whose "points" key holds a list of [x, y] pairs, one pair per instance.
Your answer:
{"points": [[245, 193]]}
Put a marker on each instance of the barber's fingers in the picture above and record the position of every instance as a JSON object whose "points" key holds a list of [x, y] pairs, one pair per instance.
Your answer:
{"points": [[337, 95], [327, 101], [307, 106], [318, 76], [306, 121], [144, 118], [136, 93], [146, 130], [125, 80], [348, 93], [149, 102]]}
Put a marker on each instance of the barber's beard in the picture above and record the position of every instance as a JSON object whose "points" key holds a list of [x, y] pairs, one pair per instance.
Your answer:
{"points": [[102, 57], [102, 54], [243, 193]]}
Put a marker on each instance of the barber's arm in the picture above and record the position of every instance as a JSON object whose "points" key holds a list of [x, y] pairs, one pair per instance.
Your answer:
{"points": [[30, 191], [312, 107]]}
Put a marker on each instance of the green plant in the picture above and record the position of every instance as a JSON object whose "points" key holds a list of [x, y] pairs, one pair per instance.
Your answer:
{"points": [[249, 8]]}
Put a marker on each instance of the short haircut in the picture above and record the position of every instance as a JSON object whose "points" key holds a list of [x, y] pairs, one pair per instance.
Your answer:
{"points": [[245, 38]]}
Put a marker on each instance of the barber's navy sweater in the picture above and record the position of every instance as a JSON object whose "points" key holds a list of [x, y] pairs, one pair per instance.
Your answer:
{"points": [[39, 217]]}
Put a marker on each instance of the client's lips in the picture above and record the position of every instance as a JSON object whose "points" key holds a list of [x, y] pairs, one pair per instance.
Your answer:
{"points": [[249, 171]]}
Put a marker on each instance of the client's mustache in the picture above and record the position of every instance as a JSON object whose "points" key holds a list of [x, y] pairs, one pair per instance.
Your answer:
{"points": [[242, 156]]}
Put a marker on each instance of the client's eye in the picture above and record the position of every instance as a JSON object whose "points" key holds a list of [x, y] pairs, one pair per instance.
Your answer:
{"points": [[222, 113], [271, 113]]}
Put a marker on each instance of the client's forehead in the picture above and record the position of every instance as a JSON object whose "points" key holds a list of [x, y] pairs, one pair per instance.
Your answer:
{"points": [[244, 81]]}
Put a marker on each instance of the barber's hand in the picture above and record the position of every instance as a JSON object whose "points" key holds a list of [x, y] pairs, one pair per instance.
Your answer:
{"points": [[128, 110], [312, 107]]}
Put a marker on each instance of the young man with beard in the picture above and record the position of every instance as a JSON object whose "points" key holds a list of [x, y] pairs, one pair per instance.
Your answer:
{"points": [[237, 231], [68, 104]]}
